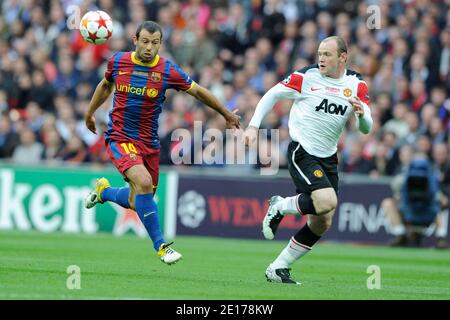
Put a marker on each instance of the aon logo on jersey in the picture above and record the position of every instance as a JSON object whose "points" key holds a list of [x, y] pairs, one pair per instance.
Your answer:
{"points": [[331, 108]]}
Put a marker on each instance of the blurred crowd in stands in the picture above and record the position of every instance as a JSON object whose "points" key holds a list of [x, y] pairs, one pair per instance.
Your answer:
{"points": [[238, 49]]}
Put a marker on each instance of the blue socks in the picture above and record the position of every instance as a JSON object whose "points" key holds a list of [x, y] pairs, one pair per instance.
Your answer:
{"points": [[117, 195], [147, 211]]}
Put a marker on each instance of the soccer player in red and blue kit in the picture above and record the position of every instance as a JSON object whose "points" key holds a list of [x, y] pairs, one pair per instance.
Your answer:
{"points": [[140, 80]]}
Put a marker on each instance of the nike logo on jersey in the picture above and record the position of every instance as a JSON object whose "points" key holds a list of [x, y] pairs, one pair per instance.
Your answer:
{"points": [[122, 72], [315, 89], [147, 214]]}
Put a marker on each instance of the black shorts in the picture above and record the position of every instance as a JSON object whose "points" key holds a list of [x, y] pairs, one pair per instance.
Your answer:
{"points": [[310, 172]]}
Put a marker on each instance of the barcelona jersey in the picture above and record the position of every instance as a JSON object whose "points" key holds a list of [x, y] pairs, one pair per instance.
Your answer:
{"points": [[139, 95]]}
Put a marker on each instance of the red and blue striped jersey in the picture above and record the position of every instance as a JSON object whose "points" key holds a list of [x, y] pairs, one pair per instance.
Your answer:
{"points": [[139, 95]]}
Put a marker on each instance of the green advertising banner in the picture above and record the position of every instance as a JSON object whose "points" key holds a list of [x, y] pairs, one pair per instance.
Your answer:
{"points": [[52, 199]]}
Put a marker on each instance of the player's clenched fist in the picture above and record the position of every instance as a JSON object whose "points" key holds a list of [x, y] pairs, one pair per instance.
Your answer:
{"points": [[90, 123], [250, 135], [232, 121], [357, 105]]}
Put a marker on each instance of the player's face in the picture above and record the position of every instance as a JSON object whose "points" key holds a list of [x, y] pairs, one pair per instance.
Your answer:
{"points": [[330, 64], [147, 46]]}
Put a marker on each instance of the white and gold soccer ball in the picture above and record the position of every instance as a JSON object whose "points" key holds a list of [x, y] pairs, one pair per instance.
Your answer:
{"points": [[96, 27]]}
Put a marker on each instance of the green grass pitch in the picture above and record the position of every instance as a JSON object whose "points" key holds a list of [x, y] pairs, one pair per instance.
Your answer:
{"points": [[34, 266]]}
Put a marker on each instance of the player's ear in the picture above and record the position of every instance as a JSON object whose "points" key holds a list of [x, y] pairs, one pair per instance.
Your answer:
{"points": [[135, 40]]}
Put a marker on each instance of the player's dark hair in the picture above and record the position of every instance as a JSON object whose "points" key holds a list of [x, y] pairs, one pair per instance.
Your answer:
{"points": [[150, 26], [342, 46]]}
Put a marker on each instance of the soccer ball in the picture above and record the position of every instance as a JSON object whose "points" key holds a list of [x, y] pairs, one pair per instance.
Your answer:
{"points": [[96, 27]]}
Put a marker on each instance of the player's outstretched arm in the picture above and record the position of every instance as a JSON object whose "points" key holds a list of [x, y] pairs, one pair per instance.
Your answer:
{"points": [[102, 92], [263, 107], [205, 96]]}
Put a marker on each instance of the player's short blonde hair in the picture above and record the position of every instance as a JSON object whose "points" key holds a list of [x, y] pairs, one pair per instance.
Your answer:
{"points": [[342, 46]]}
